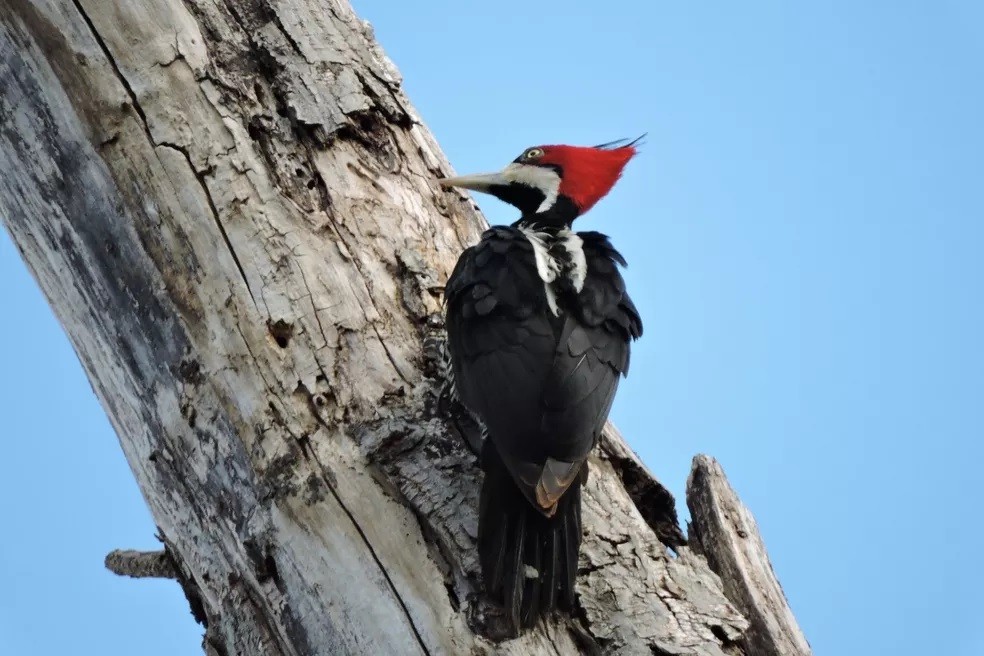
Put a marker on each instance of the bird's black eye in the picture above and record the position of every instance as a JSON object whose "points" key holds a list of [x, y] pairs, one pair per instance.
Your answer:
{"points": [[533, 153]]}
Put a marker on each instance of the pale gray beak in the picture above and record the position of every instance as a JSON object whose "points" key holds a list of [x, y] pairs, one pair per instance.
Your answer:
{"points": [[481, 182]]}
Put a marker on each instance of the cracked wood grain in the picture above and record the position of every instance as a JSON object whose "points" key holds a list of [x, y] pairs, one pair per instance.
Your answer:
{"points": [[728, 536], [231, 208]]}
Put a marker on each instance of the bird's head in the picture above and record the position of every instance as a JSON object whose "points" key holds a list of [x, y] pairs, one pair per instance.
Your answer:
{"points": [[553, 185]]}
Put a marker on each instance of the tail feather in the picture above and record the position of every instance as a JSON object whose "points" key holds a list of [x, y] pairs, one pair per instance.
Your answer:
{"points": [[529, 561], [532, 559], [551, 580], [513, 590], [495, 546], [571, 541]]}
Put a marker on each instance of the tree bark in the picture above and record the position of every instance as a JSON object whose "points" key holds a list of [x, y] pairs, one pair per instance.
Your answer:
{"points": [[231, 207]]}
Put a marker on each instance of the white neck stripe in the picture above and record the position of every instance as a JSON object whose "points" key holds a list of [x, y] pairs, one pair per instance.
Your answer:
{"points": [[550, 269], [544, 179]]}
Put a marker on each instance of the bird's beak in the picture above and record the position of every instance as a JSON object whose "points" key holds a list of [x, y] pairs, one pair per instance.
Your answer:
{"points": [[481, 182]]}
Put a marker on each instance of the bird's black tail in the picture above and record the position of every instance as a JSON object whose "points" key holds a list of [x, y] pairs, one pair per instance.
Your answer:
{"points": [[529, 561]]}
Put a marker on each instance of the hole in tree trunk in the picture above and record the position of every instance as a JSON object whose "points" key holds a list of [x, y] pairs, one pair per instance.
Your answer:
{"points": [[281, 331]]}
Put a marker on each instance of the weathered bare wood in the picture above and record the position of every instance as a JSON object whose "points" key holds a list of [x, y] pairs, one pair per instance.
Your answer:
{"points": [[231, 207], [726, 533]]}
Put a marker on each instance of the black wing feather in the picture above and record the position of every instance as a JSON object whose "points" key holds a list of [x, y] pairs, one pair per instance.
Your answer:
{"points": [[542, 384]]}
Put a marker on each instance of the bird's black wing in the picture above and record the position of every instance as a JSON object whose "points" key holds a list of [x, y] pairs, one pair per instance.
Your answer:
{"points": [[592, 353], [542, 384], [500, 335]]}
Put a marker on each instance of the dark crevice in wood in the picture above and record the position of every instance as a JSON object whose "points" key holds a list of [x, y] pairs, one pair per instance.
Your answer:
{"points": [[135, 103], [214, 211], [112, 62], [281, 331], [332, 485], [654, 502]]}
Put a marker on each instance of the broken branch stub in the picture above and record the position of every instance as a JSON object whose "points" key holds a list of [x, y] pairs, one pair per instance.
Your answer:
{"points": [[726, 533]]}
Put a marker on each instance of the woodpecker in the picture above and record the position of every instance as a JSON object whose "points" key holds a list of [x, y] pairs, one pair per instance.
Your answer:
{"points": [[539, 329]]}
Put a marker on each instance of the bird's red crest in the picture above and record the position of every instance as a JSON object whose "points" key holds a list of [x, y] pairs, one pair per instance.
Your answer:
{"points": [[588, 172]]}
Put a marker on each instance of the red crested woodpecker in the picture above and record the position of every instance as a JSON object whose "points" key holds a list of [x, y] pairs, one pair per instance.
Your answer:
{"points": [[539, 328]]}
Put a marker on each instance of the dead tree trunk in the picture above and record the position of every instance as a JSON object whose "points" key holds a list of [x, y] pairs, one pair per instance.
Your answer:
{"points": [[231, 207]]}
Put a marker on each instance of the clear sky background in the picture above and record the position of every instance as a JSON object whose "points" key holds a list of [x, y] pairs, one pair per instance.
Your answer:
{"points": [[804, 230]]}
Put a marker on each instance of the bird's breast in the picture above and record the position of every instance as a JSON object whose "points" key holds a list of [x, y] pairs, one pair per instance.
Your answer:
{"points": [[560, 263]]}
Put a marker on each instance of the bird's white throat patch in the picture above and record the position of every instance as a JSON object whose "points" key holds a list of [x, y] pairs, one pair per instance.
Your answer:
{"points": [[553, 270]]}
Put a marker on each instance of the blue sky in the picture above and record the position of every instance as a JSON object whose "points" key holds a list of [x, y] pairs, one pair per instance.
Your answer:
{"points": [[804, 230]]}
